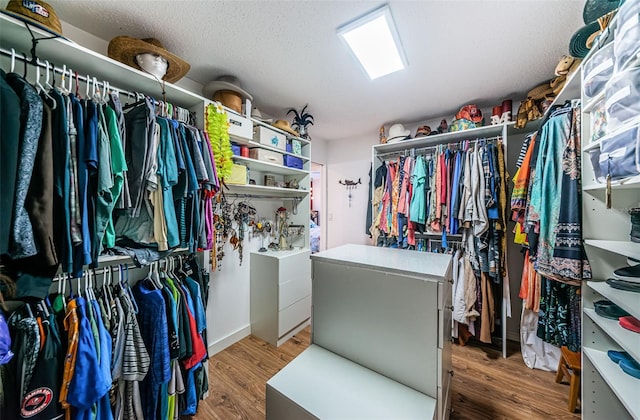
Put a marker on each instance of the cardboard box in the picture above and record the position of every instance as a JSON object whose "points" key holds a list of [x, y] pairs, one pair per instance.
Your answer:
{"points": [[264, 135], [239, 127], [266, 155], [238, 175]]}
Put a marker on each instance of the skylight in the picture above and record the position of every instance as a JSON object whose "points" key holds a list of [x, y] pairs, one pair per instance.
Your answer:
{"points": [[374, 41]]}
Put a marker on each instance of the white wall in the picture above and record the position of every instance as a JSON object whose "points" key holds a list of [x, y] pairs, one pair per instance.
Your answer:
{"points": [[349, 159]]}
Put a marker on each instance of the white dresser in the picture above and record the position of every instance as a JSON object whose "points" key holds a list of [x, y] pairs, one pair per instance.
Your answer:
{"points": [[280, 294]]}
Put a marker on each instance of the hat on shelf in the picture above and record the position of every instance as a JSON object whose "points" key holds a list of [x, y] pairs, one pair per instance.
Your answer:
{"points": [[593, 9], [397, 132], [597, 15], [125, 49], [227, 89], [256, 114], [285, 126], [423, 131], [37, 13]]}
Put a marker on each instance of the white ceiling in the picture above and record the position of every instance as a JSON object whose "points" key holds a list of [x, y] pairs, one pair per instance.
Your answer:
{"points": [[287, 54]]}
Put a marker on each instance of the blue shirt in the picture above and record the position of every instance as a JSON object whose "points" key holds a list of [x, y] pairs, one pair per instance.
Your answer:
{"points": [[152, 318]]}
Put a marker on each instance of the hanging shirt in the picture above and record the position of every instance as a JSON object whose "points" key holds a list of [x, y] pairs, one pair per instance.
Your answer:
{"points": [[417, 206], [88, 384], [118, 170], [10, 131], [153, 326], [82, 251], [21, 242]]}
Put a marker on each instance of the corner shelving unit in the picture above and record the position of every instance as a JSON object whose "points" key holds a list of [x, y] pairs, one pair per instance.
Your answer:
{"points": [[607, 391]]}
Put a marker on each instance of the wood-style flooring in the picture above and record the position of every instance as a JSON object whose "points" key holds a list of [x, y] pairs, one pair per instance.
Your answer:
{"points": [[484, 386]]}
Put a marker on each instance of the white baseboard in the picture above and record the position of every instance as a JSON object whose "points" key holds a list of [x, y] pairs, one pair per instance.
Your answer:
{"points": [[234, 337]]}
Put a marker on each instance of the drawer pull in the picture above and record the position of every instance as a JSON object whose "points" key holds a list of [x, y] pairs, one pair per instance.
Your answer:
{"points": [[450, 307], [450, 281], [450, 372]]}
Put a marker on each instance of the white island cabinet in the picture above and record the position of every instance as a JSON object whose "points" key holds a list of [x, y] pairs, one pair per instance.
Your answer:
{"points": [[387, 310]]}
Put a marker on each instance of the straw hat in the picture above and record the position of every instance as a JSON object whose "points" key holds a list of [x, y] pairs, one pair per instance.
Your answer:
{"points": [[37, 13], [125, 48], [423, 131], [285, 126]]}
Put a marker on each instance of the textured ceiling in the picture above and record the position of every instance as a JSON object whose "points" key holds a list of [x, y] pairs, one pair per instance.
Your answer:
{"points": [[286, 53]]}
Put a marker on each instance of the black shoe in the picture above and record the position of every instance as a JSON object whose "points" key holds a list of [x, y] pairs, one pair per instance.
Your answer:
{"points": [[609, 309], [630, 273], [629, 286]]}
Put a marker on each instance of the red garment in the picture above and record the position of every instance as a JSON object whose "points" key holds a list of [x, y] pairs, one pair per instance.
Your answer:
{"points": [[199, 350]]}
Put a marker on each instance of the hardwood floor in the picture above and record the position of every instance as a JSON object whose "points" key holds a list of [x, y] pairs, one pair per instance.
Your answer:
{"points": [[485, 386]]}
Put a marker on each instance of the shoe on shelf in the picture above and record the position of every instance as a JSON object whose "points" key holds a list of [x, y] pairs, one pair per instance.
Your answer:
{"points": [[630, 273], [616, 356], [629, 286], [630, 367], [630, 323], [608, 309]]}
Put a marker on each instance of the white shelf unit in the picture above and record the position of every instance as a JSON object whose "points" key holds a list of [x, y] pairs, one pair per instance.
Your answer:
{"points": [[607, 391], [512, 139], [85, 61]]}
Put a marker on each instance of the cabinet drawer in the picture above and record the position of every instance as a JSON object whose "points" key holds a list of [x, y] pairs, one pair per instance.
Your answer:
{"points": [[445, 317], [445, 367], [444, 294], [292, 291], [294, 315], [443, 403], [295, 267]]}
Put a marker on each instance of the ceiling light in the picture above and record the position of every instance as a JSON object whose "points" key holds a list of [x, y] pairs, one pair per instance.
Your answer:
{"points": [[374, 41]]}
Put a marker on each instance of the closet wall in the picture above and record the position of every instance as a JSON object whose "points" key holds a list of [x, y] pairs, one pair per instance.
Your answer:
{"points": [[347, 159]]}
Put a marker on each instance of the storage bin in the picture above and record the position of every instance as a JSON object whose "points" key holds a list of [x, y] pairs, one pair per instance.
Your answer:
{"points": [[238, 175], [239, 126], [264, 135], [292, 162], [618, 156], [627, 36], [266, 156], [235, 149], [622, 95], [598, 119], [598, 70], [294, 146]]}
